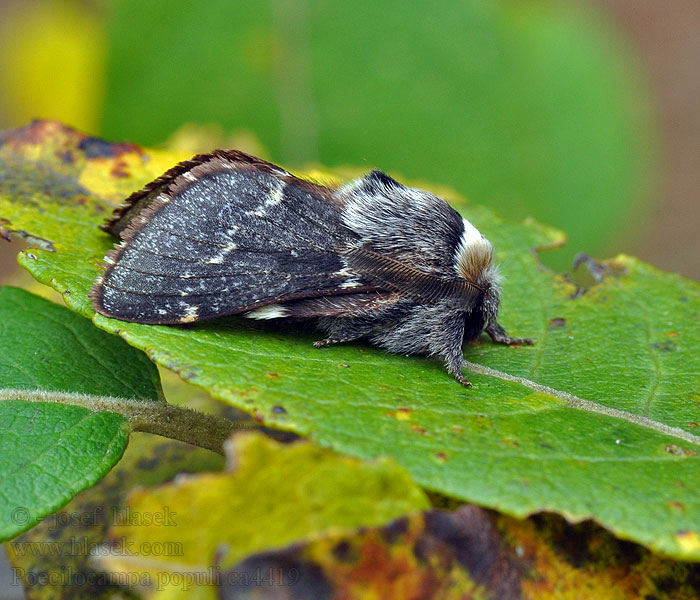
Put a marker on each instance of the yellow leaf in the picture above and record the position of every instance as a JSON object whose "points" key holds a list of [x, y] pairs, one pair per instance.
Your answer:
{"points": [[52, 58]]}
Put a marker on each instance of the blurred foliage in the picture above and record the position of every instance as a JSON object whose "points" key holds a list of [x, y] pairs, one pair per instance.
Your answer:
{"points": [[52, 62], [534, 108]]}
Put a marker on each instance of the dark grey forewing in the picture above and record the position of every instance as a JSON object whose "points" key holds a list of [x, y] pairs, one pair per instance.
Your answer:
{"points": [[224, 243]]}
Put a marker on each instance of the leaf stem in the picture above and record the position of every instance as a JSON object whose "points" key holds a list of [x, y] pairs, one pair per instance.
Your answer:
{"points": [[174, 422]]}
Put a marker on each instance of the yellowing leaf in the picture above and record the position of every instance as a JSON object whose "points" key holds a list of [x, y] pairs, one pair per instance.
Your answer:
{"points": [[52, 57], [276, 494]]}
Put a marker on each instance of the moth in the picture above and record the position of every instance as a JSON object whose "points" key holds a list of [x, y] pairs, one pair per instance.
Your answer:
{"points": [[230, 234]]}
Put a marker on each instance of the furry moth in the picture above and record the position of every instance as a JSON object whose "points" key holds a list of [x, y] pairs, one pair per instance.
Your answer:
{"points": [[230, 234]]}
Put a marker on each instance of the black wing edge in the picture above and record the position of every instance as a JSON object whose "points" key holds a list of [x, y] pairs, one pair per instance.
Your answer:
{"points": [[125, 212], [174, 179]]}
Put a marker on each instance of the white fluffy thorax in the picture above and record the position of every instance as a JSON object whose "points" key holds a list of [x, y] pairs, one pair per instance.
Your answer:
{"points": [[474, 254]]}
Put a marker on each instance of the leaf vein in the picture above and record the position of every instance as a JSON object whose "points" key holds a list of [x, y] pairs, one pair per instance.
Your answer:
{"points": [[588, 405]]}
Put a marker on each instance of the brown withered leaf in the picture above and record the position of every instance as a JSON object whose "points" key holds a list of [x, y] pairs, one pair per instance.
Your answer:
{"points": [[462, 554]]}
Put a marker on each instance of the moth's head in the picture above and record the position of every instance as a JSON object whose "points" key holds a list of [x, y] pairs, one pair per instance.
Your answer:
{"points": [[473, 261]]}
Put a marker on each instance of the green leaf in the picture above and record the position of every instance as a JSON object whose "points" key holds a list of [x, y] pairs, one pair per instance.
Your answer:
{"points": [[533, 108], [239, 512], [596, 421], [50, 451], [45, 347]]}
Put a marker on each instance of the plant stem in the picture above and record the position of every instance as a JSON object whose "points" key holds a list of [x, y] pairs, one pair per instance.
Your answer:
{"points": [[174, 422]]}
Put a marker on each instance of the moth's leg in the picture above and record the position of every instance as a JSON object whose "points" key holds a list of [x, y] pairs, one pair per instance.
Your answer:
{"points": [[335, 340], [451, 334], [499, 335], [465, 382], [343, 329], [454, 367]]}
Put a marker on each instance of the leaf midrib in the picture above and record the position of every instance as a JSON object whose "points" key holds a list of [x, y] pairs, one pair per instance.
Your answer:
{"points": [[588, 405], [570, 399]]}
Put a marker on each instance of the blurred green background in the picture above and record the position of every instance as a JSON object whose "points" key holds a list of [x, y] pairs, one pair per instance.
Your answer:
{"points": [[540, 108]]}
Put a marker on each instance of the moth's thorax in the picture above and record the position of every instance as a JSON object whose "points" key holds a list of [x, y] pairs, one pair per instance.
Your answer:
{"points": [[474, 255], [409, 225], [473, 261]]}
